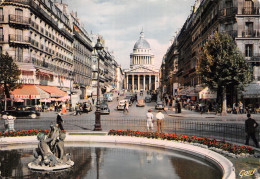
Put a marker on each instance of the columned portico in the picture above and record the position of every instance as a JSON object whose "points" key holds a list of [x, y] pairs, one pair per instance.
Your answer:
{"points": [[138, 82]]}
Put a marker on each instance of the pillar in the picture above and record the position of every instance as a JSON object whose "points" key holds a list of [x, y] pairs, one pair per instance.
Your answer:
{"points": [[144, 82], [133, 83], [149, 82], [138, 85], [127, 82]]}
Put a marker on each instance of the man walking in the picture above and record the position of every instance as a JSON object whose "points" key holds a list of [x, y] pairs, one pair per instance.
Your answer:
{"points": [[149, 118], [59, 121], [250, 129], [160, 117]]}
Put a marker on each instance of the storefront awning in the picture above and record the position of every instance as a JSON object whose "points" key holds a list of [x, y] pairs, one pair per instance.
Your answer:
{"points": [[53, 91], [27, 91], [252, 91], [206, 93]]}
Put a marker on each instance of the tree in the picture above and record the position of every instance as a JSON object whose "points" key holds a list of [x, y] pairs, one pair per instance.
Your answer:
{"points": [[9, 74], [222, 65]]}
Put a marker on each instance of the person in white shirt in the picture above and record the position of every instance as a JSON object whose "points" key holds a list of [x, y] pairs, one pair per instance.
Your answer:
{"points": [[149, 118], [160, 117]]}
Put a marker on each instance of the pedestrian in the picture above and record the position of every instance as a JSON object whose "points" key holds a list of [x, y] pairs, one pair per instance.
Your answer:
{"points": [[150, 120], [160, 117], [241, 110], [126, 107], [93, 100], [250, 129], [59, 121], [77, 108]]}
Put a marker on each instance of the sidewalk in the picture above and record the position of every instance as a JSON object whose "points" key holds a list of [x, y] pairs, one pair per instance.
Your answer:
{"points": [[210, 115]]}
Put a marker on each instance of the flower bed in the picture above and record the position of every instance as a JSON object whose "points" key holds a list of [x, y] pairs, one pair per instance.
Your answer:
{"points": [[24, 133], [199, 141]]}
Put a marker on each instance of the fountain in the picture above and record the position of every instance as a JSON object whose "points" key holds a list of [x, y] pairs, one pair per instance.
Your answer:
{"points": [[49, 155]]}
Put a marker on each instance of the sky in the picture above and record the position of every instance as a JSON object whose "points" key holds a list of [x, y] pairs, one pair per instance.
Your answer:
{"points": [[121, 21]]}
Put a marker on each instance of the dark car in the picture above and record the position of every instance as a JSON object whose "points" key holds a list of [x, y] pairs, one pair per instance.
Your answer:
{"points": [[148, 99], [87, 106], [22, 112], [159, 105], [104, 108]]}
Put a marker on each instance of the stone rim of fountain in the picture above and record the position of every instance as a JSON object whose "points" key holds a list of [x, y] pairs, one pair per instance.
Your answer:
{"points": [[226, 166]]}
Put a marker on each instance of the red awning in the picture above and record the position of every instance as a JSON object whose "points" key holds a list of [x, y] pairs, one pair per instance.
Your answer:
{"points": [[26, 92], [53, 91]]}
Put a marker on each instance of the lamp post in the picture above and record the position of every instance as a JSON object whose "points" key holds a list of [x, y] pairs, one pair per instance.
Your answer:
{"points": [[98, 47], [70, 74]]}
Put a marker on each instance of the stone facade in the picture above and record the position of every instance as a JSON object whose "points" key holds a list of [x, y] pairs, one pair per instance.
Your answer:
{"points": [[239, 18], [141, 75]]}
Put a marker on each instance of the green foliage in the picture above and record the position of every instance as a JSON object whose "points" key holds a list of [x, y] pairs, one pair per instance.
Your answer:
{"points": [[9, 74], [222, 64]]}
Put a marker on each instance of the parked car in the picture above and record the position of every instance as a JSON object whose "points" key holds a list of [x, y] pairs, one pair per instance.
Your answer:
{"points": [[22, 112], [140, 103], [87, 107], [121, 104], [104, 109], [159, 105], [148, 99]]}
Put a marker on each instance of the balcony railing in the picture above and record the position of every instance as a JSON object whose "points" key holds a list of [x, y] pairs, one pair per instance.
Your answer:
{"points": [[21, 20], [26, 2], [227, 12], [19, 39], [253, 33], [250, 11]]}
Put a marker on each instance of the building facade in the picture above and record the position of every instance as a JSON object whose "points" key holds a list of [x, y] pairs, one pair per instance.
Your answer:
{"points": [[38, 36], [107, 68], [141, 75], [82, 58], [238, 18]]}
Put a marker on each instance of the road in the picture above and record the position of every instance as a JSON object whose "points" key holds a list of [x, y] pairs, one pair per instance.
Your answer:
{"points": [[188, 122]]}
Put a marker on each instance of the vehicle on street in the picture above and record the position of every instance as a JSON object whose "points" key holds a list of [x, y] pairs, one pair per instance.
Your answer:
{"points": [[121, 104], [130, 99], [140, 103], [148, 99], [108, 97], [22, 112], [87, 106], [104, 108], [159, 105]]}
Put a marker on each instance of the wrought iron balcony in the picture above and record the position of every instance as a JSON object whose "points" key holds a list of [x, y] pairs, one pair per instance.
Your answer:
{"points": [[19, 20], [250, 34], [19, 39], [250, 11]]}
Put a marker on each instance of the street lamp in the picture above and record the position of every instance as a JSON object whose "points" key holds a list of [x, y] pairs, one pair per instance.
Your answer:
{"points": [[70, 76], [98, 47]]}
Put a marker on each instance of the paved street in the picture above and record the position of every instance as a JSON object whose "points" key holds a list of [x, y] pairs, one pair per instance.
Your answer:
{"points": [[86, 120], [228, 127]]}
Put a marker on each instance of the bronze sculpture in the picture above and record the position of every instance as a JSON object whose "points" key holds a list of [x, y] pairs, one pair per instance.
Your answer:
{"points": [[50, 155]]}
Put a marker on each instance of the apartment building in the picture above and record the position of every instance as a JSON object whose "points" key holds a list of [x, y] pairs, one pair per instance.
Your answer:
{"points": [[38, 35], [82, 57], [240, 19]]}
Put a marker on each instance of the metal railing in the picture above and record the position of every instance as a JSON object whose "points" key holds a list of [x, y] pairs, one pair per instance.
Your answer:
{"points": [[220, 131], [19, 19], [19, 38]]}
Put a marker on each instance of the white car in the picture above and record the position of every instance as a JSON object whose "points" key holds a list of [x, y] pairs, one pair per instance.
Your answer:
{"points": [[121, 104]]}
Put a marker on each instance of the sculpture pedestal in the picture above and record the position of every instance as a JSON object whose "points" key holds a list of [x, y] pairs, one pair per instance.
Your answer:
{"points": [[61, 166]]}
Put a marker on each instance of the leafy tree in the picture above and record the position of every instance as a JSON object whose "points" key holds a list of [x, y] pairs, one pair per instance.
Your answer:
{"points": [[9, 74], [222, 65]]}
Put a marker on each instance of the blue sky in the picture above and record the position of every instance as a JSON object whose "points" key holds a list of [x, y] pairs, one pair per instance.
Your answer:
{"points": [[121, 21]]}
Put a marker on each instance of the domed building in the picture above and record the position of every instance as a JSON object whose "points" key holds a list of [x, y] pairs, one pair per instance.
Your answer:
{"points": [[141, 75]]}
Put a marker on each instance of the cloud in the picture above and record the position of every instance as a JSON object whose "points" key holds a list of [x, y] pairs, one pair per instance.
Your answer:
{"points": [[120, 23]]}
